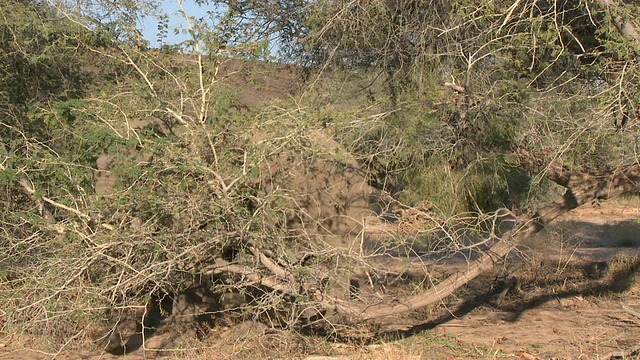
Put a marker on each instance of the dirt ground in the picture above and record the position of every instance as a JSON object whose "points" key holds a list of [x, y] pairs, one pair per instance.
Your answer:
{"points": [[567, 329], [594, 314], [578, 297]]}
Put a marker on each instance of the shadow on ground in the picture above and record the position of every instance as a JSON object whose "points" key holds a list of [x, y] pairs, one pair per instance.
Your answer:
{"points": [[619, 233], [548, 281]]}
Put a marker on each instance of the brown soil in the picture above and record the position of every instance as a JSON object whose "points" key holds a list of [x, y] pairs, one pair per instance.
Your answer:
{"points": [[570, 328]]}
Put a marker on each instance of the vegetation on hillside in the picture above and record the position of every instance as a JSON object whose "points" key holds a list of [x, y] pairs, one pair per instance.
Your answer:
{"points": [[133, 175]]}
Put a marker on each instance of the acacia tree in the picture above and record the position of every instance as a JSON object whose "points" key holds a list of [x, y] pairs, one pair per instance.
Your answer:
{"points": [[496, 58], [136, 179], [136, 182], [548, 89], [160, 189]]}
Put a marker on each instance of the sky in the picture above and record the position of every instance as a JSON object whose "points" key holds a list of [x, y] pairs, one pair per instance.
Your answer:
{"points": [[149, 25]]}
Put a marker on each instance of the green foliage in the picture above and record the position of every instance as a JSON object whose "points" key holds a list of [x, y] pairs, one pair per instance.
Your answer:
{"points": [[535, 82], [494, 184]]}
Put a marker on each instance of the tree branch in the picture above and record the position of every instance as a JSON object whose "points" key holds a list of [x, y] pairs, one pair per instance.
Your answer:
{"points": [[581, 189]]}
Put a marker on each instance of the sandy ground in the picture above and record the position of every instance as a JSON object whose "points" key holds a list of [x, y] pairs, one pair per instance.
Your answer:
{"points": [[569, 324], [567, 329]]}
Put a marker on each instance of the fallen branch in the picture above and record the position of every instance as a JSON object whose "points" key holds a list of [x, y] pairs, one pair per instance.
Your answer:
{"points": [[444, 288], [271, 265], [221, 266], [628, 353], [455, 87], [581, 189], [630, 311]]}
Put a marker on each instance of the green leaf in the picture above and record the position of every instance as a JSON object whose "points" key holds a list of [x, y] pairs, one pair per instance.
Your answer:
{"points": [[8, 176]]}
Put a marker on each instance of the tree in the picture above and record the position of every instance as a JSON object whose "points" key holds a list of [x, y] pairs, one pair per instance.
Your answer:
{"points": [[528, 78], [131, 180]]}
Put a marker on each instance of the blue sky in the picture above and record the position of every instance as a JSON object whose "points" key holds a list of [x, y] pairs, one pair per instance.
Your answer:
{"points": [[149, 25]]}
